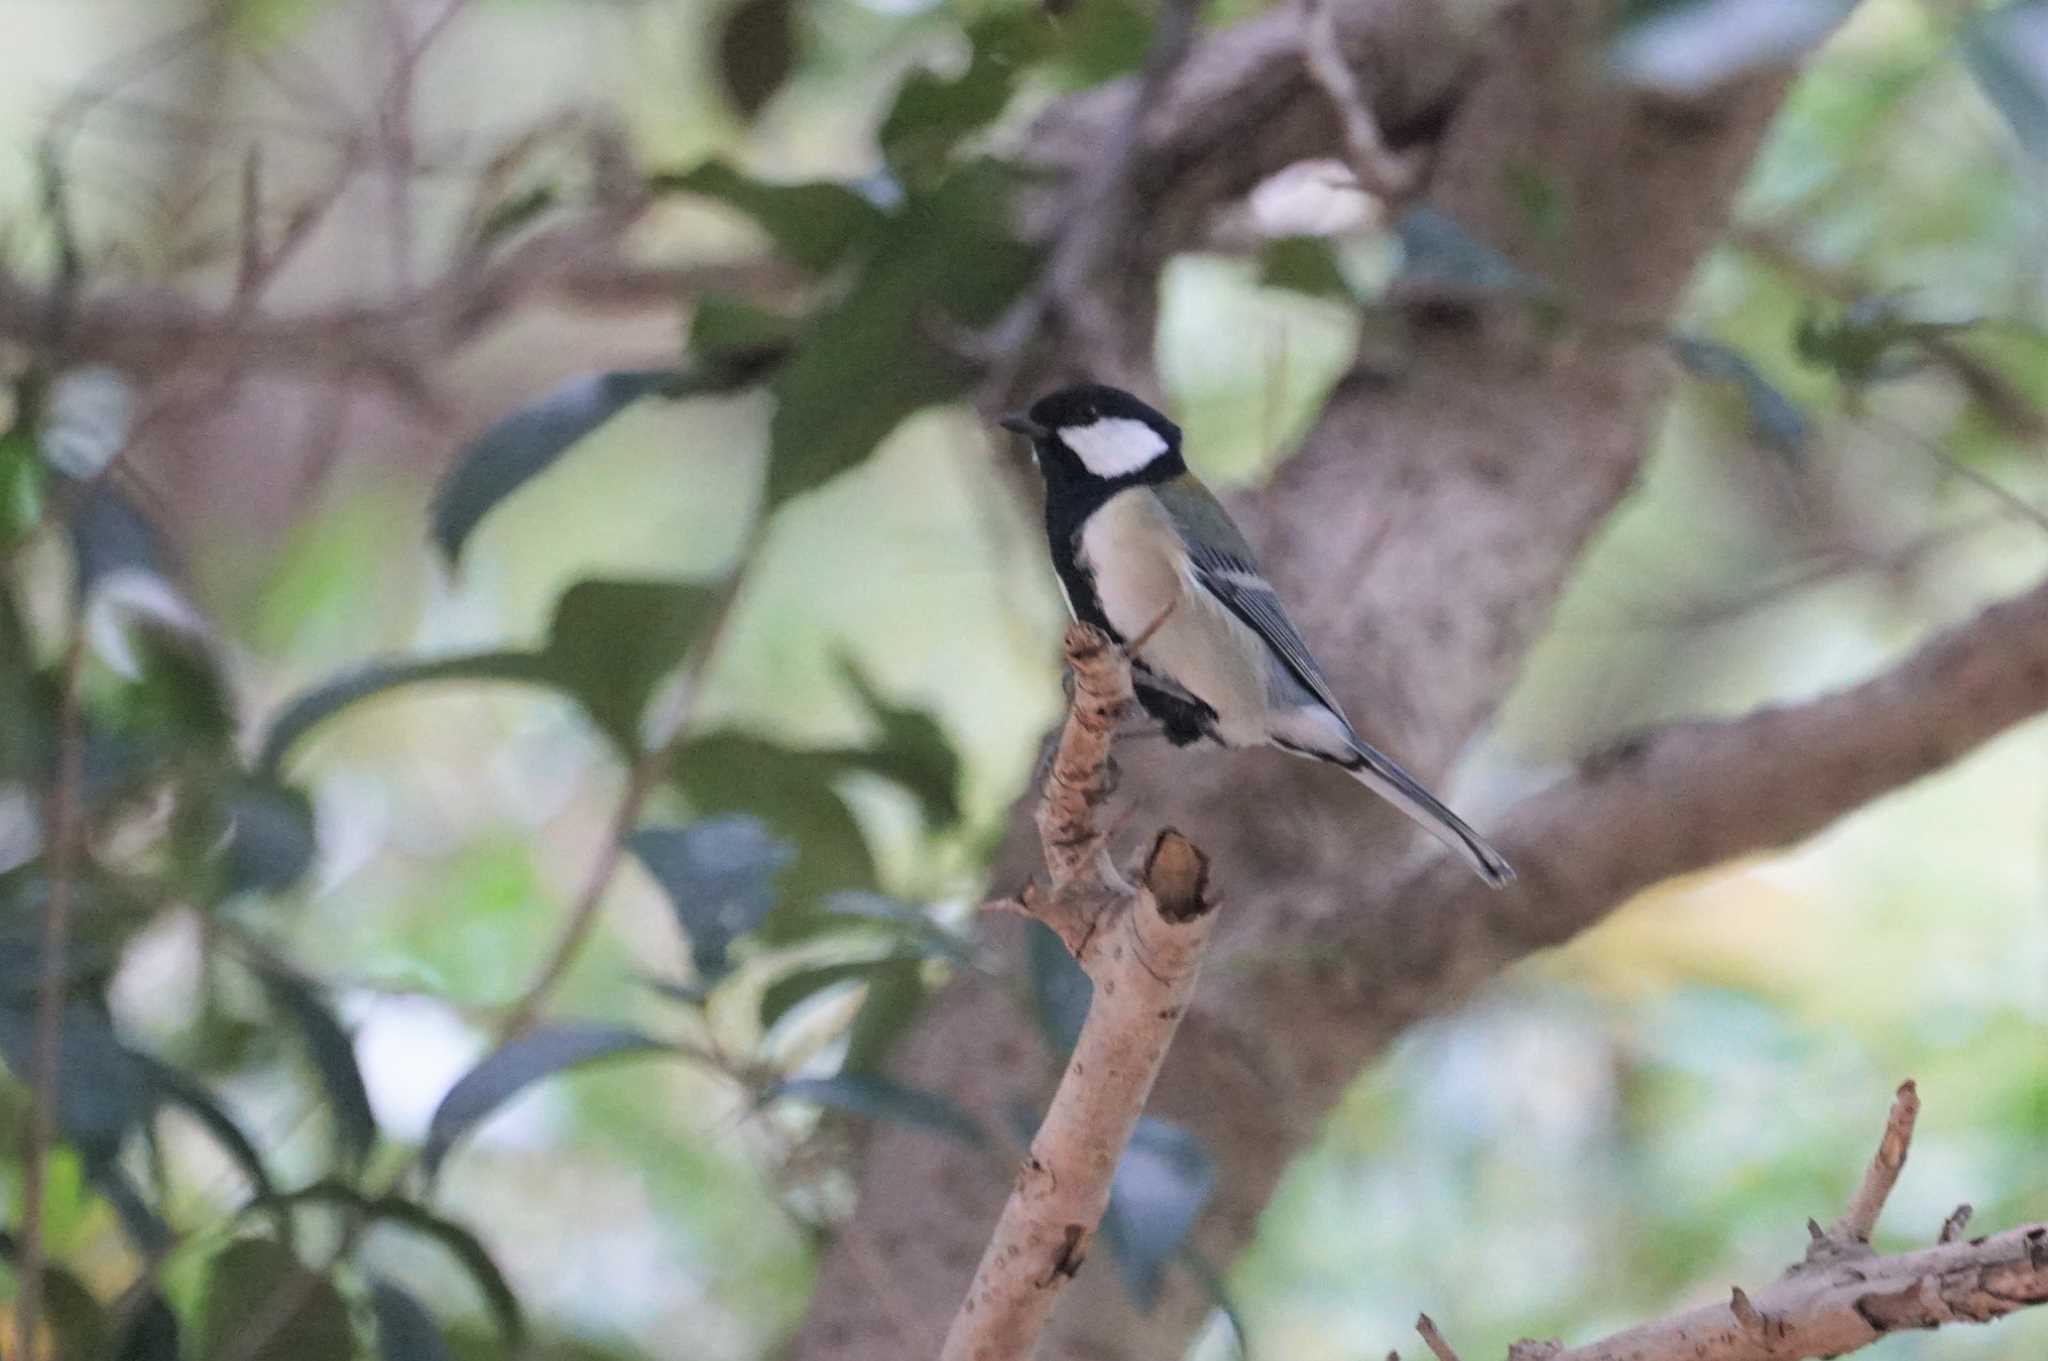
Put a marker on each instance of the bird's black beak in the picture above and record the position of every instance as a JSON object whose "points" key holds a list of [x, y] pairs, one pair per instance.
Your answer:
{"points": [[1023, 425]]}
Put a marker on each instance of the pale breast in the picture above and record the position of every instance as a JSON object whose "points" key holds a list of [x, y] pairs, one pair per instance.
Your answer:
{"points": [[1139, 570]]}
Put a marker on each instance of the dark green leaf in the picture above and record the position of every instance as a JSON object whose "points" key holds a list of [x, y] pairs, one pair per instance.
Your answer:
{"points": [[21, 482], [1303, 264], [109, 535], [791, 792], [103, 1090], [329, 698], [927, 936], [1439, 255], [1775, 420], [612, 642], [1161, 1184], [74, 1314], [932, 113], [896, 993], [334, 1058], [147, 1234], [270, 841], [756, 49], [171, 1087], [910, 748], [510, 214], [793, 989], [539, 1053], [815, 224], [1060, 990], [2007, 50], [464, 1246], [1688, 47], [527, 442], [256, 1282], [721, 326], [873, 359], [879, 1099], [405, 1330], [719, 875], [150, 1332]]}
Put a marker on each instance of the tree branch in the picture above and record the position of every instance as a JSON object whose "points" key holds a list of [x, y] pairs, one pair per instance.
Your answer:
{"points": [[1845, 1297], [1142, 948]]}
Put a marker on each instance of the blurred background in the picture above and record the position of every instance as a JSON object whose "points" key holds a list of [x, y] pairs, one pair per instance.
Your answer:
{"points": [[1853, 456]]}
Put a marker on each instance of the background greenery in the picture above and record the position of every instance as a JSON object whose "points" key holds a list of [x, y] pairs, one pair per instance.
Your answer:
{"points": [[1633, 1122]]}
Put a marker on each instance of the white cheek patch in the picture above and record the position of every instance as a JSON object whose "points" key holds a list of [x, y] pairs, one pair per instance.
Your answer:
{"points": [[1114, 446]]}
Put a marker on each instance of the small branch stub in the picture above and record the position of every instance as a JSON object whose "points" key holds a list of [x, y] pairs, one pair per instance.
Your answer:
{"points": [[1142, 948]]}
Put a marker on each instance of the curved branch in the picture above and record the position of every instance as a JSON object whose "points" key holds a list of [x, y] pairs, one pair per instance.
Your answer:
{"points": [[1843, 1296]]}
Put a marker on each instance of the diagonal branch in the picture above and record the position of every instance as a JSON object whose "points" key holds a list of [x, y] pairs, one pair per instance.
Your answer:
{"points": [[1142, 949], [1832, 1305]]}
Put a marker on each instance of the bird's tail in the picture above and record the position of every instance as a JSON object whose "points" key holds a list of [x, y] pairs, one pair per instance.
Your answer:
{"points": [[1377, 772]]}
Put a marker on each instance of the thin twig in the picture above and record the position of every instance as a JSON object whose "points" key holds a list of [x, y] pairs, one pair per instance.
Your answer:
{"points": [[51, 990], [1867, 1204], [1425, 1325], [1381, 172]]}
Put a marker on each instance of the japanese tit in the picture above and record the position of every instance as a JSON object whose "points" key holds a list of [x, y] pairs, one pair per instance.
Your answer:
{"points": [[1144, 552]]}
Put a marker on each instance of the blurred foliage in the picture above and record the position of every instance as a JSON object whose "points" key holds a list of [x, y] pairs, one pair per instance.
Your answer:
{"points": [[780, 650]]}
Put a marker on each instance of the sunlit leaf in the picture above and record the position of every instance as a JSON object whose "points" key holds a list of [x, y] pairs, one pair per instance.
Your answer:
{"points": [[256, 1281], [1688, 47], [405, 1330], [719, 874], [946, 260], [527, 442], [1160, 1187], [334, 1058], [879, 1099], [816, 224], [540, 1053], [2007, 50]]}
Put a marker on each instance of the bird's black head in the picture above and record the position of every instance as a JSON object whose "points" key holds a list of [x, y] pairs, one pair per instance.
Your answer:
{"points": [[1093, 434]]}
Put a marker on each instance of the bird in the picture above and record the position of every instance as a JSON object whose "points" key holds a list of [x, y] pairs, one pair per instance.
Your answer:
{"points": [[1146, 553]]}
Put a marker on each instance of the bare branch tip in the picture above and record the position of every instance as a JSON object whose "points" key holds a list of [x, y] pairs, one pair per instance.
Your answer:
{"points": [[1952, 1227], [1177, 872], [1435, 1339], [1745, 1312]]}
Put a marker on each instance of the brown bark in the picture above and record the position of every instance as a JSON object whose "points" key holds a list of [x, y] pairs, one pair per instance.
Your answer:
{"points": [[1422, 534]]}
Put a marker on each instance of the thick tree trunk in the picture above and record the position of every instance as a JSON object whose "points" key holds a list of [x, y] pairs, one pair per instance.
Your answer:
{"points": [[1423, 534]]}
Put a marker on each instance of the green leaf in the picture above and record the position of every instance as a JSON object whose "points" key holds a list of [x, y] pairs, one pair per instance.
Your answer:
{"points": [[103, 1091], [256, 1281], [872, 359], [931, 940], [612, 642], [719, 875], [791, 990], [1688, 47], [329, 698], [1775, 419], [879, 1099], [169, 1086], [21, 482], [790, 792], [1162, 1182], [756, 51], [1060, 990], [931, 114], [74, 1314], [896, 993], [727, 328], [270, 840], [1439, 254], [465, 1247], [334, 1058], [505, 1072], [816, 224], [109, 535], [910, 749], [2006, 49], [526, 443], [405, 1330], [1303, 264], [150, 1334]]}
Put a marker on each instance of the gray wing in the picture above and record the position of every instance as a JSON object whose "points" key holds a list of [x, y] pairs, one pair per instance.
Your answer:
{"points": [[1225, 567]]}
